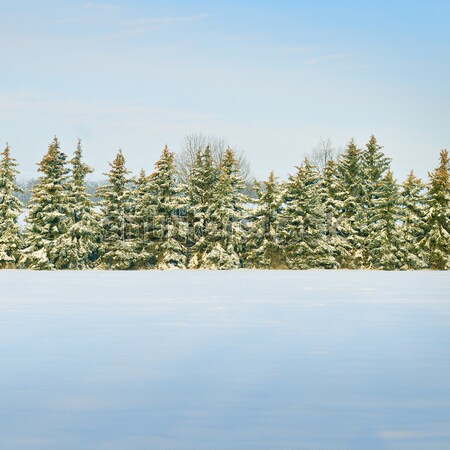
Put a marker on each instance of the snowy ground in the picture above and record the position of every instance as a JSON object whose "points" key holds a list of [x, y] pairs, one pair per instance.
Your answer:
{"points": [[315, 360]]}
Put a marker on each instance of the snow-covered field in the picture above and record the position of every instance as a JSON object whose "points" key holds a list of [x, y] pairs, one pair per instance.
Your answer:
{"points": [[313, 360]]}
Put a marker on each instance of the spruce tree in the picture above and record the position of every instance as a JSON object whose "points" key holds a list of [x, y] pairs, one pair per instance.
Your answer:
{"points": [[117, 249], [384, 240], [225, 214], [436, 241], [143, 207], [348, 207], [81, 240], [331, 202], [49, 216], [374, 166], [10, 209], [263, 248], [304, 221], [203, 176], [413, 211], [169, 230]]}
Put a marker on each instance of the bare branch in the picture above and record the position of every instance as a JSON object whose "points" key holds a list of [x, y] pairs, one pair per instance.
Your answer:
{"points": [[218, 145], [323, 152]]}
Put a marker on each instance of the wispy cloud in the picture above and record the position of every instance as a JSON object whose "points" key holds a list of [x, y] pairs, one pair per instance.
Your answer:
{"points": [[296, 49], [167, 20], [320, 59], [146, 25], [114, 113], [94, 5], [413, 434]]}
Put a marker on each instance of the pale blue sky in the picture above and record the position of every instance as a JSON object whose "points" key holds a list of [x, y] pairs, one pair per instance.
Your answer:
{"points": [[272, 77]]}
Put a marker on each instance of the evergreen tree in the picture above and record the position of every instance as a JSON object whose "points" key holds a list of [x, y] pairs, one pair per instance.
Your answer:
{"points": [[436, 241], [352, 214], [332, 204], [81, 240], [304, 221], [117, 249], [348, 195], [413, 211], [169, 229], [385, 244], [49, 216], [263, 249], [143, 210], [10, 209], [203, 175], [224, 228], [374, 166]]}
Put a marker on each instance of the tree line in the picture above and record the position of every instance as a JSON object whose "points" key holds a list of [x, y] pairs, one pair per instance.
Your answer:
{"points": [[351, 214]]}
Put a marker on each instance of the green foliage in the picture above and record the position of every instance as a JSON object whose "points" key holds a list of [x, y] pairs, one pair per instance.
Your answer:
{"points": [[143, 210], [348, 195], [10, 209], [374, 166], [263, 248], [49, 214], [169, 230], [352, 214], [203, 175], [216, 212], [224, 229], [117, 249], [384, 240], [331, 192], [82, 238], [436, 240], [304, 221], [412, 203]]}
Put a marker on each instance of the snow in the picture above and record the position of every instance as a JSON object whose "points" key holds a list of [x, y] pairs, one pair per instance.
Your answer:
{"points": [[203, 360]]}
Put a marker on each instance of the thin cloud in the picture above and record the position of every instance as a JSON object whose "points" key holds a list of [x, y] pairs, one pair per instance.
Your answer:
{"points": [[296, 50], [93, 5], [25, 101], [319, 59], [413, 434], [167, 20], [147, 25]]}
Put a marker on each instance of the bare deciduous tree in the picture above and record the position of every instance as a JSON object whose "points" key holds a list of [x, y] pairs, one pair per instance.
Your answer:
{"points": [[323, 152], [218, 146]]}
